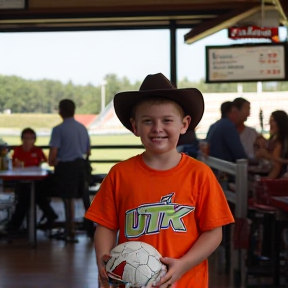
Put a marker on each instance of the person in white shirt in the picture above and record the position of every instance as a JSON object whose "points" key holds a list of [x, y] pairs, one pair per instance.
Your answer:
{"points": [[248, 135]]}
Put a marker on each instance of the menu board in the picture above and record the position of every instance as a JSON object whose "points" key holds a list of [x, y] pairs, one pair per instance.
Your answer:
{"points": [[244, 63], [12, 4]]}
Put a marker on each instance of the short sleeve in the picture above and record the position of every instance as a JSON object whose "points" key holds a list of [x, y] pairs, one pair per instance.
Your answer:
{"points": [[212, 208], [55, 140], [103, 208], [43, 156]]}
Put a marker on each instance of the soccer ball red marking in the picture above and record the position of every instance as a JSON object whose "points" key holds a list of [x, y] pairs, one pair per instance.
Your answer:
{"points": [[119, 270], [135, 262]]}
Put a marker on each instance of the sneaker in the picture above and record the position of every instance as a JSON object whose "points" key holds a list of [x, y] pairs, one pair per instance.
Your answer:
{"points": [[66, 238], [9, 229], [48, 224], [3, 230], [71, 239]]}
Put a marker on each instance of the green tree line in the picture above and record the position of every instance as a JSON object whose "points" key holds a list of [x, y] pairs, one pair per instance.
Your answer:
{"points": [[42, 96]]}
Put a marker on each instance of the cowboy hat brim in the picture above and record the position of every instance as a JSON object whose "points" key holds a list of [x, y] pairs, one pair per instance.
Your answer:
{"points": [[190, 99]]}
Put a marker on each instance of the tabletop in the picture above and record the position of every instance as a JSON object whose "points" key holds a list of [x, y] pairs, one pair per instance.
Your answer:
{"points": [[26, 173], [262, 171]]}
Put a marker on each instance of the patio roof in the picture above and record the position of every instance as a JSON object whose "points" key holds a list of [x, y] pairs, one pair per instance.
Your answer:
{"points": [[67, 15], [204, 17]]}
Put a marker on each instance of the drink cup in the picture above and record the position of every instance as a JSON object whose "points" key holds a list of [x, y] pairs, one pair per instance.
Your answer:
{"points": [[204, 147], [18, 163]]}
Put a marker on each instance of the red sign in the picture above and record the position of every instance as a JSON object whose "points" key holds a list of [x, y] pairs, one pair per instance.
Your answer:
{"points": [[254, 32]]}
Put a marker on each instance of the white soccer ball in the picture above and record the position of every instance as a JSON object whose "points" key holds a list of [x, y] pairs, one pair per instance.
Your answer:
{"points": [[135, 263]]}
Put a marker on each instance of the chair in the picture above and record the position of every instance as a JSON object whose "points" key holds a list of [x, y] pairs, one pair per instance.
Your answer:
{"points": [[7, 199], [266, 232], [95, 183], [69, 207], [7, 203]]}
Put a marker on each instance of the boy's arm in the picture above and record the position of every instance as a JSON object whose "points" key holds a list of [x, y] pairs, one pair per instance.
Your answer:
{"points": [[55, 144], [104, 242], [201, 250]]}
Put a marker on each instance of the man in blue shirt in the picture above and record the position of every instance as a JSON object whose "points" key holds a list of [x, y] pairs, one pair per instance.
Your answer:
{"points": [[69, 146], [223, 137]]}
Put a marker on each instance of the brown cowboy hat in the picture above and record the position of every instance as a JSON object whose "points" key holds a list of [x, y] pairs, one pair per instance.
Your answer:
{"points": [[157, 85]]}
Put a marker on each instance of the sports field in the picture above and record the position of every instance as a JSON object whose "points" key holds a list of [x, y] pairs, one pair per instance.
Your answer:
{"points": [[35, 121]]}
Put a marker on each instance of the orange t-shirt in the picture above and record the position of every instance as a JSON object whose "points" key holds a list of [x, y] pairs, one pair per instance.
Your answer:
{"points": [[166, 209]]}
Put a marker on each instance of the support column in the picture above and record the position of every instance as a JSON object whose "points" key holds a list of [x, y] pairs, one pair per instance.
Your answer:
{"points": [[173, 56]]}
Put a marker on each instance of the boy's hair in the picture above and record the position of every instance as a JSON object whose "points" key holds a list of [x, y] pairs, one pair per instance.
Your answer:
{"points": [[157, 100], [226, 108], [239, 102], [66, 108], [28, 131]]}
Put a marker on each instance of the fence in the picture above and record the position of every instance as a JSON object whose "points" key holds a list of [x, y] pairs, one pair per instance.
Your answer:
{"points": [[239, 198]]}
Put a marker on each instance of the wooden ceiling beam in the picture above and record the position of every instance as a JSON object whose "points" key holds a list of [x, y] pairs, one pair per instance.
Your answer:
{"points": [[210, 27], [125, 13], [194, 9]]}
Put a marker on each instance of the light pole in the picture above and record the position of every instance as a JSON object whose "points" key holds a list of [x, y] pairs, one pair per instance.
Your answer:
{"points": [[103, 95]]}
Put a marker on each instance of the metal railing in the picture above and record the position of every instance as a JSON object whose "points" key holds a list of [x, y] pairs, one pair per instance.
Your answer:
{"points": [[240, 171], [239, 198], [98, 147]]}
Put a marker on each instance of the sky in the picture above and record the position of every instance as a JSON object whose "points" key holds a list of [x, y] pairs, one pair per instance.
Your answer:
{"points": [[87, 57]]}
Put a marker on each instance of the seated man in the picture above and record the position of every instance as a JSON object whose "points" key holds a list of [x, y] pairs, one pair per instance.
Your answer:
{"points": [[28, 155]]}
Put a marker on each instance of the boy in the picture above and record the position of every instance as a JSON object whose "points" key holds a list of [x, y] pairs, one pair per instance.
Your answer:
{"points": [[29, 155], [164, 198], [69, 145]]}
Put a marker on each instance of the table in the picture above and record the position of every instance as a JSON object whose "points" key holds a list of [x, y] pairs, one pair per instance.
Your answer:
{"points": [[30, 174], [256, 170]]}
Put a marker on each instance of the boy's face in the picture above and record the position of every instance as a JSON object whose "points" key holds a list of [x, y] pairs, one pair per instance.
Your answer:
{"points": [[159, 125], [28, 140]]}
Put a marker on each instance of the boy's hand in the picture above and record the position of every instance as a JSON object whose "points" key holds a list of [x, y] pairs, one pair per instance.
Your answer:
{"points": [[102, 267], [106, 258], [105, 279], [175, 271]]}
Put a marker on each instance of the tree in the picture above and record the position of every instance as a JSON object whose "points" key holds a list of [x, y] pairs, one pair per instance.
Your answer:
{"points": [[42, 96]]}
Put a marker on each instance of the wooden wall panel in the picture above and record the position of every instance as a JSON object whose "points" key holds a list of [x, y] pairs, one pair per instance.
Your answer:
{"points": [[40, 4]]}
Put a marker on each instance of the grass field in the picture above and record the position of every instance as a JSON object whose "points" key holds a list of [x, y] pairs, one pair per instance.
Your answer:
{"points": [[35, 121]]}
